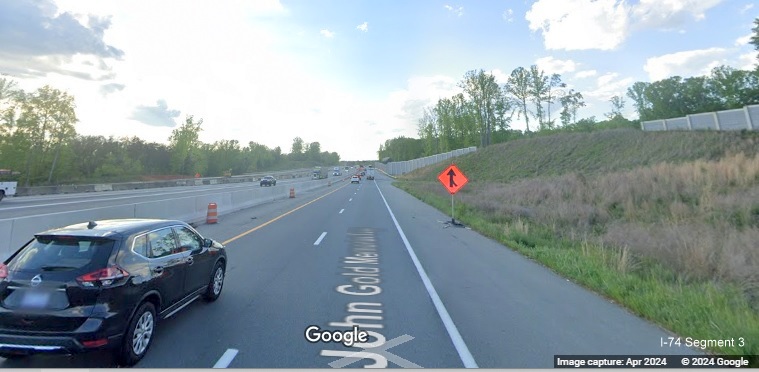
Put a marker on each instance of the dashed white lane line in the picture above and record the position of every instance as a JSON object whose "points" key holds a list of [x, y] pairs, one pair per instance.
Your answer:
{"points": [[320, 238], [226, 358], [351, 199], [342, 210]]}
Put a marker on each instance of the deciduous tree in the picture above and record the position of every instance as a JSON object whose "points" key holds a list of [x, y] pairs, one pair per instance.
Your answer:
{"points": [[518, 89], [485, 96], [185, 147]]}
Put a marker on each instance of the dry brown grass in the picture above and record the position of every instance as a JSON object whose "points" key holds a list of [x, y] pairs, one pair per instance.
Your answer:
{"points": [[701, 218]]}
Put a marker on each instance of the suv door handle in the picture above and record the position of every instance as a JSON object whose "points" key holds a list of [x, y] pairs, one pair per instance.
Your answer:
{"points": [[158, 269], [190, 260]]}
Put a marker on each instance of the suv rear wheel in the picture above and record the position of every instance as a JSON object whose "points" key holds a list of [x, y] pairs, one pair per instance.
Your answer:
{"points": [[139, 335]]}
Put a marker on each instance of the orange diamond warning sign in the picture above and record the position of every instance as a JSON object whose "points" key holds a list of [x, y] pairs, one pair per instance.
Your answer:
{"points": [[452, 179]]}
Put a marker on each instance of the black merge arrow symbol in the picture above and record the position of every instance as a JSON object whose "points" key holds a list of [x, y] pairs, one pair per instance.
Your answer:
{"points": [[452, 174]]}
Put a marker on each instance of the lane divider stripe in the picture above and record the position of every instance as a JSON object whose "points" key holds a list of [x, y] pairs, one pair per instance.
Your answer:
{"points": [[320, 238], [278, 217], [226, 358]]}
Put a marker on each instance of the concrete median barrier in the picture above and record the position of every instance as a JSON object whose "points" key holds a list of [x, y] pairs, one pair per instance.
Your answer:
{"points": [[192, 209], [6, 245], [135, 185], [103, 187], [180, 209], [23, 229], [241, 197]]}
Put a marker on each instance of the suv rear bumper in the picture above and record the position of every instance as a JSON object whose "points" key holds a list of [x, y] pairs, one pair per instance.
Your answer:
{"points": [[27, 345], [26, 342]]}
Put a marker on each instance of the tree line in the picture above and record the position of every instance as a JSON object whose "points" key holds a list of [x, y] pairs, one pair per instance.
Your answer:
{"points": [[39, 145], [482, 113], [724, 89]]}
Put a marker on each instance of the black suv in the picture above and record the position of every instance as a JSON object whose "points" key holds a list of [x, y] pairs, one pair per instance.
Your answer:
{"points": [[104, 284], [268, 181]]}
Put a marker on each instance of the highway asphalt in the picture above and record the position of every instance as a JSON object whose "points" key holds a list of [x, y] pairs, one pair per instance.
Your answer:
{"points": [[372, 255]]}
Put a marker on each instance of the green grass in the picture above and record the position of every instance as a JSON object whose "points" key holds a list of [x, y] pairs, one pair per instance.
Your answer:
{"points": [[700, 308], [593, 153]]}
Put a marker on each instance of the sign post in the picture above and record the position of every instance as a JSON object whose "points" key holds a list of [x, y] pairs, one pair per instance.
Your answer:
{"points": [[453, 179]]}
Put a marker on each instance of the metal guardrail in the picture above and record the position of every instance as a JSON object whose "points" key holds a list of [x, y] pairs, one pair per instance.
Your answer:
{"points": [[746, 118]]}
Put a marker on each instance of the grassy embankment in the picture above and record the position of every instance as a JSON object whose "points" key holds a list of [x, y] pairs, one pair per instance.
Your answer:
{"points": [[665, 224]]}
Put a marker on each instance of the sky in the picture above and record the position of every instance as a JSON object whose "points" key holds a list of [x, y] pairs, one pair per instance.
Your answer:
{"points": [[349, 74]]}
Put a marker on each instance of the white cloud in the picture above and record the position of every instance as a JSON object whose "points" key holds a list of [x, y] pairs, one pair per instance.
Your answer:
{"points": [[508, 15], [256, 93], [585, 74], [457, 11], [670, 14], [605, 24], [397, 114], [157, 115], [327, 33], [579, 24], [609, 85], [748, 61], [605, 79], [364, 27], [39, 39], [555, 66], [743, 40], [746, 8], [500, 76], [687, 63]]}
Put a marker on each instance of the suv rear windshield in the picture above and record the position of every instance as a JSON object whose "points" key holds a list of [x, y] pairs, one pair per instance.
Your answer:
{"points": [[63, 253]]}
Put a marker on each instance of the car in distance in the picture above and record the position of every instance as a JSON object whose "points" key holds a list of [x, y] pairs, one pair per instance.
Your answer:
{"points": [[268, 181], [355, 179], [104, 285]]}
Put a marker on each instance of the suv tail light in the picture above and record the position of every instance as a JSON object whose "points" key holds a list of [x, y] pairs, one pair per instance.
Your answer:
{"points": [[3, 271], [103, 277]]}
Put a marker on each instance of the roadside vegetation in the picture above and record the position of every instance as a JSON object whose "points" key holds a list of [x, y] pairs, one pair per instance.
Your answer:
{"points": [[482, 113], [663, 223], [666, 224], [39, 145]]}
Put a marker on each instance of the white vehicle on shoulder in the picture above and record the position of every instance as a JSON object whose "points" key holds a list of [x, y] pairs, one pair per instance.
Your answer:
{"points": [[7, 189]]}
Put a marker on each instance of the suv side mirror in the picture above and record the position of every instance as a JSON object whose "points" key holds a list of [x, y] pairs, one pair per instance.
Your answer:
{"points": [[210, 243]]}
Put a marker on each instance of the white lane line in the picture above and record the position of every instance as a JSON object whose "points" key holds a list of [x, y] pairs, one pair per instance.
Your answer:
{"points": [[453, 332], [341, 211], [320, 238], [351, 199], [226, 358]]}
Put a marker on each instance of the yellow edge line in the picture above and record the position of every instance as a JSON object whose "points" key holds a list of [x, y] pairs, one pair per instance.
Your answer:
{"points": [[280, 216]]}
